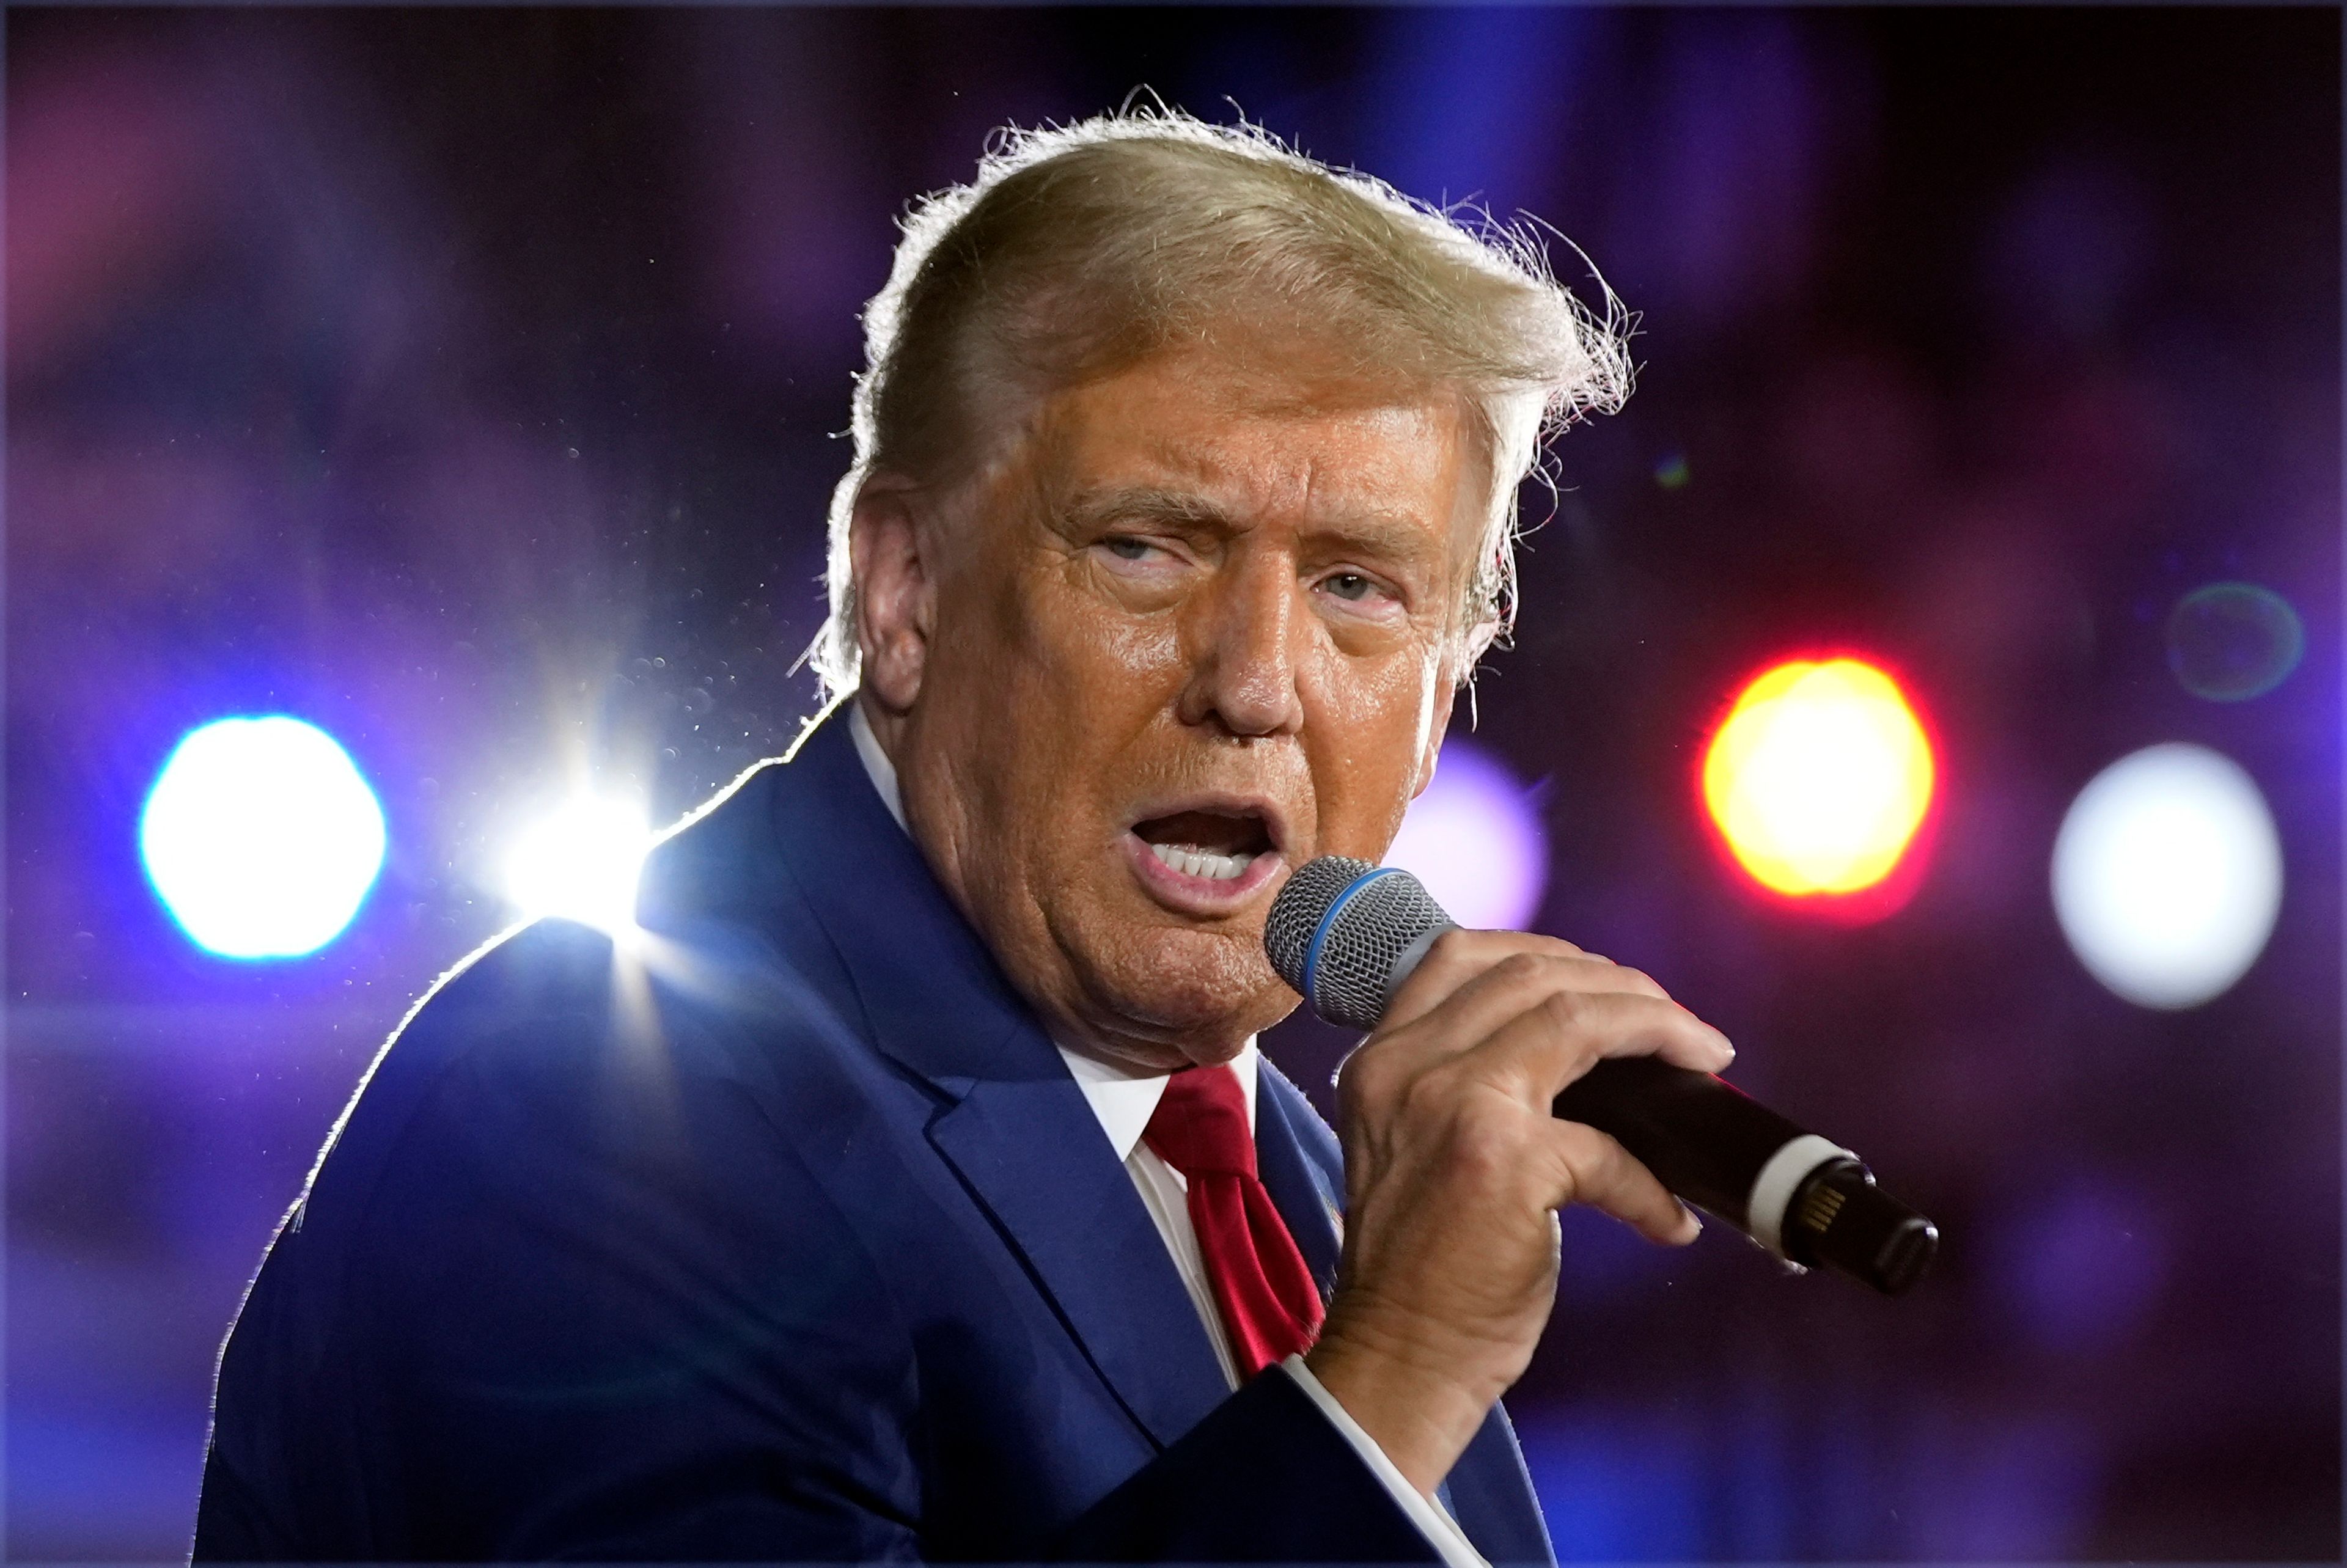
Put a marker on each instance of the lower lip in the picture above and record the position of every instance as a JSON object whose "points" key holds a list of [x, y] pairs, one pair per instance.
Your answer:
{"points": [[1188, 894]]}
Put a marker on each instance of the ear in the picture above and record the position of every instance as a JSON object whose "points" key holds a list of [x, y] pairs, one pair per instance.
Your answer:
{"points": [[896, 599]]}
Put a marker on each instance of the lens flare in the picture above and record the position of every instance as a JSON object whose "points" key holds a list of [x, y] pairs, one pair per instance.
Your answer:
{"points": [[581, 862], [1819, 777], [2231, 642], [260, 837]]}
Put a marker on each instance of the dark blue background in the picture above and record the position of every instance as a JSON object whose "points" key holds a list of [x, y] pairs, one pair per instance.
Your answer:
{"points": [[467, 381]]}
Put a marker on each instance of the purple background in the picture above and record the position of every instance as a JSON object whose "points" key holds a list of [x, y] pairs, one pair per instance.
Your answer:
{"points": [[466, 382]]}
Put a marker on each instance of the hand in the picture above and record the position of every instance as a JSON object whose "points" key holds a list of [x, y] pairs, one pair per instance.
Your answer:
{"points": [[1456, 1166]]}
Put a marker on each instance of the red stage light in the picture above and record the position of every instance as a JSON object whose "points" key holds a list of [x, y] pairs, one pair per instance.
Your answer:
{"points": [[1819, 778]]}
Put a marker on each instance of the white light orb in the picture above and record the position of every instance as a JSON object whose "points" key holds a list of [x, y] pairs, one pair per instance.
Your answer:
{"points": [[2168, 876], [581, 862], [260, 837], [1473, 837]]}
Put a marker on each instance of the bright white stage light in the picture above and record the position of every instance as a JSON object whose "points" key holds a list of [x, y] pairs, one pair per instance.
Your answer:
{"points": [[581, 864], [261, 837], [2168, 876], [1474, 838]]}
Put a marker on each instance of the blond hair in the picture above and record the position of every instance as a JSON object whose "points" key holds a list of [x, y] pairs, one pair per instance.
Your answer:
{"points": [[1079, 250]]}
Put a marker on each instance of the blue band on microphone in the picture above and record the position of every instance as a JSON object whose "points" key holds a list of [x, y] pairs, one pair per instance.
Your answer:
{"points": [[1320, 932]]}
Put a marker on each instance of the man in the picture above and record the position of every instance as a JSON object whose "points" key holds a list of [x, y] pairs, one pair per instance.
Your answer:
{"points": [[909, 1184]]}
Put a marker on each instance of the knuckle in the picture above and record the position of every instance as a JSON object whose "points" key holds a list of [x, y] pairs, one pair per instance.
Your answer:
{"points": [[1620, 1165], [1521, 970], [1452, 947], [1483, 1162], [1578, 1146], [1425, 1096], [1566, 1011], [1640, 981], [1485, 1123], [1454, 954], [1598, 1161]]}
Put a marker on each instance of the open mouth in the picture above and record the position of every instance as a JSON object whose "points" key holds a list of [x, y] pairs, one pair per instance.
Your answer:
{"points": [[1214, 845]]}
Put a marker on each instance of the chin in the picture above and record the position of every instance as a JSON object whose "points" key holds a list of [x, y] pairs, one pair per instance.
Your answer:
{"points": [[1204, 989]]}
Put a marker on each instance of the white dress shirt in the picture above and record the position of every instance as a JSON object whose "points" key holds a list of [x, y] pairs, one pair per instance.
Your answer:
{"points": [[1125, 1099]]}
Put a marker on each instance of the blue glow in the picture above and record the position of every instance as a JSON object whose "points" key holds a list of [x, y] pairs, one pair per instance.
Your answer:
{"points": [[2081, 1265], [260, 837], [1622, 1486]]}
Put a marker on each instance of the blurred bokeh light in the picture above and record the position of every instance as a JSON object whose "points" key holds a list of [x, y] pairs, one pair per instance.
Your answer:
{"points": [[1819, 776], [1474, 838], [260, 837], [2167, 875]]}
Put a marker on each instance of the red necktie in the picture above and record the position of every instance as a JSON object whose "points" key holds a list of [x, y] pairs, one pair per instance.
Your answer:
{"points": [[1269, 1304]]}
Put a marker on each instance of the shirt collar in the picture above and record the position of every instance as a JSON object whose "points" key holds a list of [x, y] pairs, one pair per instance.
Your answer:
{"points": [[1124, 1099], [877, 765]]}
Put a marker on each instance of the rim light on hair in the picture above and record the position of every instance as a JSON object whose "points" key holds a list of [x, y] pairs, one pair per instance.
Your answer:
{"points": [[1082, 249]]}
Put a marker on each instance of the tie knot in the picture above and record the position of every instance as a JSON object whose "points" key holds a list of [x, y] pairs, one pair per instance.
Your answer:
{"points": [[1201, 1125]]}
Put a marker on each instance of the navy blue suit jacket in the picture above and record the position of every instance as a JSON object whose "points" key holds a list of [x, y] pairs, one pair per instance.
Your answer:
{"points": [[782, 1233]]}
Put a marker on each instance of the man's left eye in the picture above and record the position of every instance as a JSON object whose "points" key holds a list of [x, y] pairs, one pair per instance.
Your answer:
{"points": [[1348, 585]]}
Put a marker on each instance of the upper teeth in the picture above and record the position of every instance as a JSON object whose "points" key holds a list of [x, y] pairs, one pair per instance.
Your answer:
{"points": [[1193, 861]]}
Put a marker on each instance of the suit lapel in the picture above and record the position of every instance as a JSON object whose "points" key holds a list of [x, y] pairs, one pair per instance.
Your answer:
{"points": [[1013, 1125], [1300, 1189], [1034, 1155], [1010, 1122]]}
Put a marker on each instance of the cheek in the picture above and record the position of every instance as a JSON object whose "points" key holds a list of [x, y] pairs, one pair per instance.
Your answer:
{"points": [[1088, 653], [1048, 685], [1143, 655], [1367, 726]]}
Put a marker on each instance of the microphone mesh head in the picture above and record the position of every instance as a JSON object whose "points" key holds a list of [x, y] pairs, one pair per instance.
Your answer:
{"points": [[1295, 913], [1371, 918]]}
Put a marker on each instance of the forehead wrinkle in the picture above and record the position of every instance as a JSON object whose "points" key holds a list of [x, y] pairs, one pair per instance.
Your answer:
{"points": [[1172, 452], [1365, 530], [1200, 485], [1380, 534]]}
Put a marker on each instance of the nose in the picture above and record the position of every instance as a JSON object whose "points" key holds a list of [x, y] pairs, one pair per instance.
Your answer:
{"points": [[1240, 646]]}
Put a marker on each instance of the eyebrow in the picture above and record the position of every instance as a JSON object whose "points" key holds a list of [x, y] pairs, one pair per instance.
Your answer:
{"points": [[1147, 503], [1380, 534]]}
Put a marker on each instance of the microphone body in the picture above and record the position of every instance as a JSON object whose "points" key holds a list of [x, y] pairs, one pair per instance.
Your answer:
{"points": [[1346, 934]]}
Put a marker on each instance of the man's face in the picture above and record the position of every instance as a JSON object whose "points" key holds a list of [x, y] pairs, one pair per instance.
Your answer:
{"points": [[1197, 629]]}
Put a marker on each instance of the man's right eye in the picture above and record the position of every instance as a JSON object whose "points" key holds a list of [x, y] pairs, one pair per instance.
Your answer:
{"points": [[1125, 546]]}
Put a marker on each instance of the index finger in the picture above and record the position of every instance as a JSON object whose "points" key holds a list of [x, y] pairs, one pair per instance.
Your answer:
{"points": [[1459, 956], [1553, 1043]]}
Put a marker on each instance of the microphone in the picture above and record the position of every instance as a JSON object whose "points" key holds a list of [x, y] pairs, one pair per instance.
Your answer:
{"points": [[1346, 934]]}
